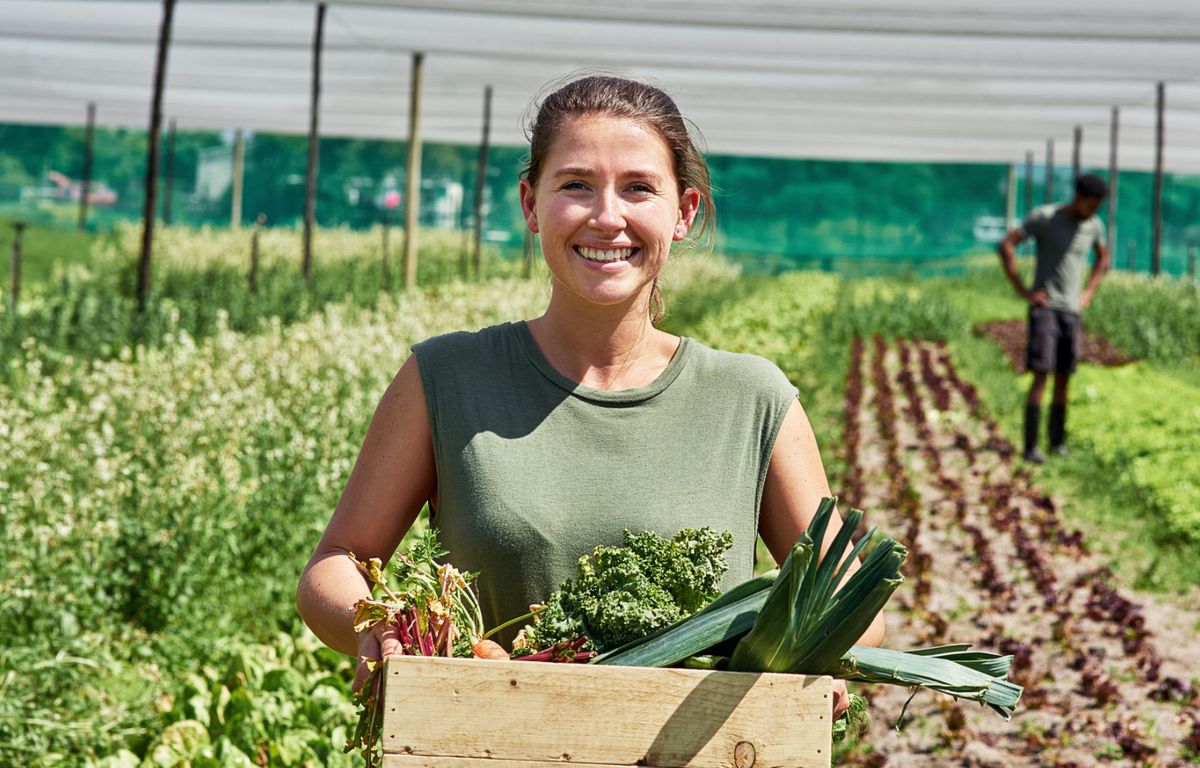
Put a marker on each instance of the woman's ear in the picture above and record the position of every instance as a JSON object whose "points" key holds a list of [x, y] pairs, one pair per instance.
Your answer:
{"points": [[689, 206], [527, 206]]}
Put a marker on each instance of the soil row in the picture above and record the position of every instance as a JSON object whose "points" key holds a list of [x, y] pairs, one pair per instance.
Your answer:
{"points": [[1107, 675]]}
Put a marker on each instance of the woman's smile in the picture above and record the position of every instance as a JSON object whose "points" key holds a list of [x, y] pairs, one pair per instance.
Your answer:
{"points": [[606, 255]]}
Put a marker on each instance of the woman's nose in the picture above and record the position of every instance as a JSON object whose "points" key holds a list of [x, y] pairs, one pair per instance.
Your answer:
{"points": [[608, 213]]}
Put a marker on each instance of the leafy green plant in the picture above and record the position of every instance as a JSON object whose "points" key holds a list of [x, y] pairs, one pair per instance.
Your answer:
{"points": [[1151, 318], [623, 593]]}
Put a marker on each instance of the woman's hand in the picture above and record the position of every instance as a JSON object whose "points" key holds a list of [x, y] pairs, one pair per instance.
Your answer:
{"points": [[841, 698], [375, 645]]}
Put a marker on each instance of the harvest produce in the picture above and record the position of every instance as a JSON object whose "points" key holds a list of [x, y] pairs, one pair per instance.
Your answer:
{"points": [[434, 613], [621, 594], [798, 621]]}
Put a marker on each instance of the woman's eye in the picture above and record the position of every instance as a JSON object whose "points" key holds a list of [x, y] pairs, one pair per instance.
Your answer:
{"points": [[574, 186], [640, 188]]}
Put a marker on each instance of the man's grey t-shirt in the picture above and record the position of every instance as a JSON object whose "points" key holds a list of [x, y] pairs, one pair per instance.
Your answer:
{"points": [[535, 470], [1063, 243]]}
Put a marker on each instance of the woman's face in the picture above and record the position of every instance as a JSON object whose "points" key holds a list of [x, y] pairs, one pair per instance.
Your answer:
{"points": [[607, 207]]}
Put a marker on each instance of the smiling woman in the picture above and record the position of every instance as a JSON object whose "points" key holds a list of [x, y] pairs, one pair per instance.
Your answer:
{"points": [[536, 441]]}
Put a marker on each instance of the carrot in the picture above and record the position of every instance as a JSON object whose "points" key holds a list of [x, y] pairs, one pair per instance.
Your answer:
{"points": [[489, 649]]}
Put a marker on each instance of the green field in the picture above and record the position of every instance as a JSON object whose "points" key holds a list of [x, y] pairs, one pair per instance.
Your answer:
{"points": [[167, 474]]}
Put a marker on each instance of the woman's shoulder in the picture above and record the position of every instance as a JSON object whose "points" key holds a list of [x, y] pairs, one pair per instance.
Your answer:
{"points": [[738, 369], [460, 345]]}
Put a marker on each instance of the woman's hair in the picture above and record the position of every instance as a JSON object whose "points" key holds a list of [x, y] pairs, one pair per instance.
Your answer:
{"points": [[608, 96]]}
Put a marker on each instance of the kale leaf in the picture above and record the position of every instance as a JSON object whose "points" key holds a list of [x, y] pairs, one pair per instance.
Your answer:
{"points": [[623, 593]]}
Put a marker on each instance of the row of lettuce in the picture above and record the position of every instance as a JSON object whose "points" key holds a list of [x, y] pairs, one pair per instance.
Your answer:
{"points": [[161, 499]]}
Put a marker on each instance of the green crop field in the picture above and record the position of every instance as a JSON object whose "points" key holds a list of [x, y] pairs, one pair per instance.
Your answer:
{"points": [[166, 475]]}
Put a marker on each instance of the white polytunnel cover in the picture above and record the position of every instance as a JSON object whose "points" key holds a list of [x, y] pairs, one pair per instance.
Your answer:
{"points": [[920, 80]]}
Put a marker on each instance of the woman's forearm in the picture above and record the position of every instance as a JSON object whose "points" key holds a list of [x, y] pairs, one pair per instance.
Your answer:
{"points": [[329, 589]]}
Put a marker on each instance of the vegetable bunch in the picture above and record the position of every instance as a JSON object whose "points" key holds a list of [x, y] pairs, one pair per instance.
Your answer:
{"points": [[433, 611], [621, 594], [798, 620]]}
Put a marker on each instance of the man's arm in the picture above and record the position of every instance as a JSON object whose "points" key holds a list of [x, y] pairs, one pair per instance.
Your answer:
{"points": [[1099, 267], [1008, 258]]}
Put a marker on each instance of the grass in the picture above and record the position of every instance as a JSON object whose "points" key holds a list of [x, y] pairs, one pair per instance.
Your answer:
{"points": [[43, 251]]}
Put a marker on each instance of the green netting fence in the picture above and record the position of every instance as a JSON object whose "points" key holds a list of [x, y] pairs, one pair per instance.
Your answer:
{"points": [[855, 218]]}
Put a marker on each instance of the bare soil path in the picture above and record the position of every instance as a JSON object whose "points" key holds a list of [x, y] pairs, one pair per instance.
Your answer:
{"points": [[1109, 676]]}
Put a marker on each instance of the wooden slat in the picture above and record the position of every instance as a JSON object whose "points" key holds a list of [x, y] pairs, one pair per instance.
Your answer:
{"points": [[394, 760], [450, 713]]}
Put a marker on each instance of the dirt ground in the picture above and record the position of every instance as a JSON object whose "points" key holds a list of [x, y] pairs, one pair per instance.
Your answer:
{"points": [[1011, 336], [1109, 676]]}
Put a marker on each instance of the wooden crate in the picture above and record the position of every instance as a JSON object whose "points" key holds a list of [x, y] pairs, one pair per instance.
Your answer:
{"points": [[464, 713]]}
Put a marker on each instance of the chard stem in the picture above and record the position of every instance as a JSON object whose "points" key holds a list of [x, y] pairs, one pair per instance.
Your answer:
{"points": [[510, 622]]}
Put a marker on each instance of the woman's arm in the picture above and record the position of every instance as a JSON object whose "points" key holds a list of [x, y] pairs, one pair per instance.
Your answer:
{"points": [[391, 480], [795, 485]]}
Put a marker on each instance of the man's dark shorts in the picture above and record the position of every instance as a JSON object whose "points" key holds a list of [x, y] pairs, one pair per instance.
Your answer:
{"points": [[1053, 340]]}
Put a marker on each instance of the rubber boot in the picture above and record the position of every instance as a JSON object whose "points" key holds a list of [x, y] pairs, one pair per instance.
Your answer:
{"points": [[1058, 429], [1033, 420]]}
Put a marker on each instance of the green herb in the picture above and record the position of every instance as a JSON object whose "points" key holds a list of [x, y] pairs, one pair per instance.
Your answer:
{"points": [[622, 594], [854, 722]]}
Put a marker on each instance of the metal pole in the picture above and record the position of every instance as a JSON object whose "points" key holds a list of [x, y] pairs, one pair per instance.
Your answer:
{"points": [[253, 277], [412, 197], [170, 174], [314, 138], [13, 295], [1156, 242], [1113, 177], [239, 167], [151, 202], [480, 177], [1049, 190], [86, 181], [1076, 143]]}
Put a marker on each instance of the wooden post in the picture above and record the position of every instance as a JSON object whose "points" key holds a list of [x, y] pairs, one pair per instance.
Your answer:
{"points": [[527, 256], [314, 138], [1076, 145], [1049, 190], [1010, 197], [480, 178], [1113, 171], [253, 277], [239, 166], [1156, 241], [15, 293], [151, 202], [85, 183], [169, 192], [412, 195]]}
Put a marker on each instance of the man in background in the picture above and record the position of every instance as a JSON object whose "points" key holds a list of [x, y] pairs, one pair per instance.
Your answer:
{"points": [[1064, 234]]}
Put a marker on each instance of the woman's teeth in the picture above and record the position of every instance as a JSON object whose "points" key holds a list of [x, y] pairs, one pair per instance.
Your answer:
{"points": [[614, 254]]}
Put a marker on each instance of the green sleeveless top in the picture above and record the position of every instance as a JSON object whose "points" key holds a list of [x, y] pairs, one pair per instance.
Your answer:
{"points": [[535, 470]]}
